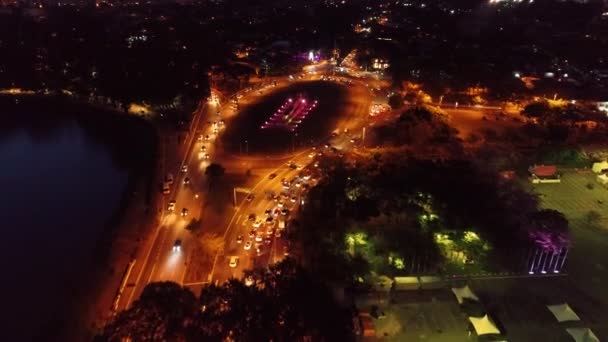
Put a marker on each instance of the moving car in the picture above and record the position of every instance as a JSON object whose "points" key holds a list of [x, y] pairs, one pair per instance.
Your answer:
{"points": [[285, 212], [184, 212], [257, 224], [267, 212], [186, 180], [272, 176], [203, 148], [166, 189], [184, 168], [251, 217], [247, 245], [258, 237], [171, 206], [233, 262], [252, 233], [169, 178], [270, 221], [239, 239], [250, 197], [267, 240], [177, 246]]}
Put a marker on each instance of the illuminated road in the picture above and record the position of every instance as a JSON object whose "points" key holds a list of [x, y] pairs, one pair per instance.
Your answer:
{"points": [[158, 260]]}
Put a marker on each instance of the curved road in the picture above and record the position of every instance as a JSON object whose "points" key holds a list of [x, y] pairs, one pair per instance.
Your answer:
{"points": [[157, 260]]}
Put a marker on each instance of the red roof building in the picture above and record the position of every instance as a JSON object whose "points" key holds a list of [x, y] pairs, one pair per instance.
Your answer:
{"points": [[544, 170]]}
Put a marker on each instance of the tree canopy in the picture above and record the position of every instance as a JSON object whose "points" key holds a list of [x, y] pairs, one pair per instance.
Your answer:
{"points": [[282, 303]]}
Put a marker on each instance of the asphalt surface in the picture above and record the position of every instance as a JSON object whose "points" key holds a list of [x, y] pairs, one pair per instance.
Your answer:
{"points": [[158, 258]]}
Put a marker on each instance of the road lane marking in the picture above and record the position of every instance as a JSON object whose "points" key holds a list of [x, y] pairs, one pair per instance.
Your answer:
{"points": [[122, 286], [200, 109], [197, 283], [143, 268]]}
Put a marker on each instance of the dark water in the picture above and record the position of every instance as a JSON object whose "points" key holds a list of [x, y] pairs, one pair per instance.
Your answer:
{"points": [[59, 187], [318, 124]]}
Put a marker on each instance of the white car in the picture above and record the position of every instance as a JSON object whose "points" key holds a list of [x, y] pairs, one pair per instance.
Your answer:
{"points": [[247, 245], [171, 206], [258, 237], [177, 246], [311, 155], [184, 168], [234, 261]]}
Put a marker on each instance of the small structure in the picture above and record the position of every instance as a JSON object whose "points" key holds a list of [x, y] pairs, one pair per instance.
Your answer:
{"points": [[484, 326], [563, 312], [431, 282], [582, 335], [544, 174], [406, 283], [464, 293], [602, 179], [600, 167]]}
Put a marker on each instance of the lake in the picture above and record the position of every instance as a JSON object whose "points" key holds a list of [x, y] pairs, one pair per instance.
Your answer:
{"points": [[59, 187]]}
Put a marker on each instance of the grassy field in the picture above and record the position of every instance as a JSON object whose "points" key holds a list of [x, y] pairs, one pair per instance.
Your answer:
{"points": [[587, 263], [575, 199]]}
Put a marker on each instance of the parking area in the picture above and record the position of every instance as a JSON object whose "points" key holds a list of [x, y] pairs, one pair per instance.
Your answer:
{"points": [[517, 305]]}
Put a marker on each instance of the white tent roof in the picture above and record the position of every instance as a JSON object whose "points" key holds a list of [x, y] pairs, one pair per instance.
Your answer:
{"points": [[598, 167], [463, 293], [484, 325], [583, 335], [563, 312]]}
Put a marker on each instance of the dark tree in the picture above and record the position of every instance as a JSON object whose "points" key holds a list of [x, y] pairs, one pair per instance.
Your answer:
{"points": [[214, 172], [395, 101], [159, 314], [538, 110], [548, 229]]}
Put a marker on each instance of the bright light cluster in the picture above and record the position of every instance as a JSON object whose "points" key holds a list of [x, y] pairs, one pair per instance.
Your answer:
{"points": [[290, 114]]}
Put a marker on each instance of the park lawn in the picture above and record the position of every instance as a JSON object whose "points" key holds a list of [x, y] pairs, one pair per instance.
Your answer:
{"points": [[575, 200], [587, 264]]}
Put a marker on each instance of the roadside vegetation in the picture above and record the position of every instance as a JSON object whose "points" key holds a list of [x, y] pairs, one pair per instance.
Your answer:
{"points": [[281, 303]]}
